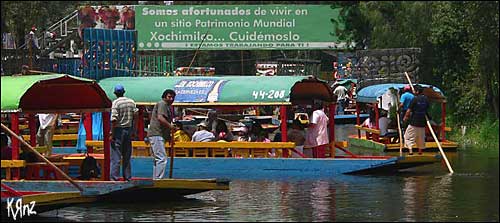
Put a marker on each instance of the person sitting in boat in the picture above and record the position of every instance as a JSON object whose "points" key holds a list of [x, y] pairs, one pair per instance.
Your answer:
{"points": [[211, 120], [370, 121], [222, 132], [6, 149], [180, 135], [255, 132], [203, 135], [383, 124], [296, 134], [242, 134]]}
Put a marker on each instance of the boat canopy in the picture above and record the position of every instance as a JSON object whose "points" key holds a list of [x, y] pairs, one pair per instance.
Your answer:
{"points": [[371, 93], [52, 93], [344, 82], [222, 90]]}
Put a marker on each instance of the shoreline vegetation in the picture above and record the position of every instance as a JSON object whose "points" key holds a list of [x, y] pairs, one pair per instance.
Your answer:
{"points": [[481, 135]]}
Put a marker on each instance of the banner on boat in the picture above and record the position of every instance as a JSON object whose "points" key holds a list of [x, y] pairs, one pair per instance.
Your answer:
{"points": [[198, 90], [238, 27]]}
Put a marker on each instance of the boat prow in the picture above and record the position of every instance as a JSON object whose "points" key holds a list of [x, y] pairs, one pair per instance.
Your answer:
{"points": [[402, 162]]}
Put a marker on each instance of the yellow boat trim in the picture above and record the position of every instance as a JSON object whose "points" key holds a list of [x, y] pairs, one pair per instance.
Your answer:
{"points": [[13, 163], [220, 104], [217, 145], [190, 184], [419, 159], [428, 145], [56, 196], [60, 137]]}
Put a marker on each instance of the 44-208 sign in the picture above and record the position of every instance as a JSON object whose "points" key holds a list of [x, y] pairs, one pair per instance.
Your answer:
{"points": [[235, 27], [271, 94]]}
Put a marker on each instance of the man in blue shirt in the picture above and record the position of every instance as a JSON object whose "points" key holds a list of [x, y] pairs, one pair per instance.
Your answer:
{"points": [[415, 134], [405, 101]]}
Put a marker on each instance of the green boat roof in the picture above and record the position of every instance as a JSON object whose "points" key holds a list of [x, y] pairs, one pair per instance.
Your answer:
{"points": [[221, 90], [51, 93]]}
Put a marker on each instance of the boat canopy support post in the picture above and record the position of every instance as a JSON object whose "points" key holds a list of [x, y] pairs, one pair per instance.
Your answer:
{"points": [[443, 121], [14, 122], [140, 123], [87, 123], [106, 125], [358, 120], [283, 126], [377, 115], [32, 128], [331, 110]]}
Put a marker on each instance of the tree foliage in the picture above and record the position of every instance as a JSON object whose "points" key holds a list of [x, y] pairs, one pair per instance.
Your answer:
{"points": [[459, 42]]}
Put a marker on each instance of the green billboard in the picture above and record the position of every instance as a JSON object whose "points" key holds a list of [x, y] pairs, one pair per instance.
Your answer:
{"points": [[237, 27]]}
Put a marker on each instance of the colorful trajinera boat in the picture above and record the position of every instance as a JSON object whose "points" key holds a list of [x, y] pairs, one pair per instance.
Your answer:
{"points": [[245, 160], [386, 95], [47, 183]]}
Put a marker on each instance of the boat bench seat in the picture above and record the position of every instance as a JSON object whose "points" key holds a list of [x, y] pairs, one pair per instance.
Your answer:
{"points": [[8, 165], [77, 159]]}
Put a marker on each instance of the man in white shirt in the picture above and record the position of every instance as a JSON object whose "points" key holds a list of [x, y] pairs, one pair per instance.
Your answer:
{"points": [[342, 96], [317, 132], [46, 131], [202, 135]]}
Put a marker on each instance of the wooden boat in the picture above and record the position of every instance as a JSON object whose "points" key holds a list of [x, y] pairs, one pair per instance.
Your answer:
{"points": [[59, 93], [237, 160], [380, 96]]}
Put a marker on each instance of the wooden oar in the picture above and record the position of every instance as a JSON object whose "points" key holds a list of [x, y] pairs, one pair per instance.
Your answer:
{"points": [[399, 126], [42, 157], [432, 132]]}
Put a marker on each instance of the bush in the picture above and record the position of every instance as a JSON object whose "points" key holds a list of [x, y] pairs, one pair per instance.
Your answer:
{"points": [[482, 134]]}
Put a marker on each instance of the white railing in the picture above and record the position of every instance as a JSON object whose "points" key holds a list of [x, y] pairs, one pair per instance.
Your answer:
{"points": [[61, 26]]}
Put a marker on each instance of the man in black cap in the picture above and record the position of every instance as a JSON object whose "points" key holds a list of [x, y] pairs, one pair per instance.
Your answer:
{"points": [[123, 115], [415, 133]]}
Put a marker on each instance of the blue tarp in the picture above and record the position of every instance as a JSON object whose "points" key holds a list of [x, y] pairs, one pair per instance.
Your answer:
{"points": [[82, 136], [97, 133], [370, 94]]}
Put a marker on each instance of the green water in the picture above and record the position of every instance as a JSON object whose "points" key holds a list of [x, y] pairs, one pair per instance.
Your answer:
{"points": [[426, 193]]}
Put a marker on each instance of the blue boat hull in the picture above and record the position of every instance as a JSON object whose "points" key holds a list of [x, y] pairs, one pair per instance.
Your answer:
{"points": [[258, 168]]}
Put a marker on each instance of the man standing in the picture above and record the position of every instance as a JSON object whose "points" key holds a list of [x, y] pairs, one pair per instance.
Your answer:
{"points": [[46, 131], [317, 132], [415, 133], [405, 100], [342, 96], [159, 131], [123, 115]]}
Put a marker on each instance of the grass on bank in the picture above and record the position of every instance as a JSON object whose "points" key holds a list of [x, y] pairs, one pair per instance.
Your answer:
{"points": [[481, 134]]}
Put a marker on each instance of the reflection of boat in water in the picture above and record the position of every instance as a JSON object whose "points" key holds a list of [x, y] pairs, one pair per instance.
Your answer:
{"points": [[385, 96], [50, 187]]}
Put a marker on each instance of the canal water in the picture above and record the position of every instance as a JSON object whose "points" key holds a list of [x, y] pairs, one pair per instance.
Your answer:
{"points": [[425, 193]]}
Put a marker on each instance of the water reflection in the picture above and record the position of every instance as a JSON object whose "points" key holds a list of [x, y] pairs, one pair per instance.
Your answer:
{"points": [[425, 193]]}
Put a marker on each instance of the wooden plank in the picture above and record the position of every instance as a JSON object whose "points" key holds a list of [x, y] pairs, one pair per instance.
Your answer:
{"points": [[376, 131], [217, 145], [13, 163], [190, 184], [59, 137]]}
